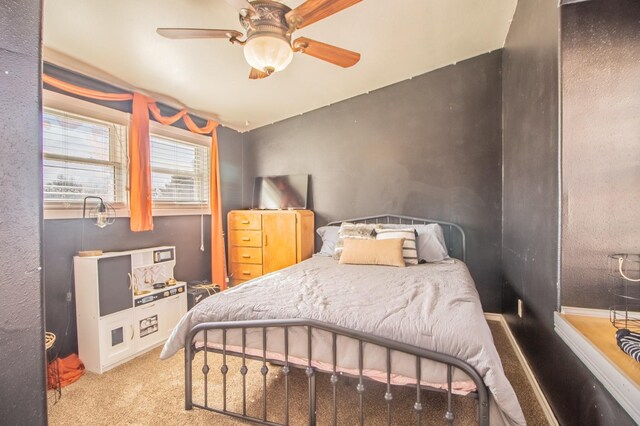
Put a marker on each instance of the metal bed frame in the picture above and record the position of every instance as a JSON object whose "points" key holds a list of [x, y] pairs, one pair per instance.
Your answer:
{"points": [[455, 239]]}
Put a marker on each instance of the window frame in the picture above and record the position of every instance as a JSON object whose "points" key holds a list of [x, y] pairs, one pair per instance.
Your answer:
{"points": [[118, 153], [185, 136]]}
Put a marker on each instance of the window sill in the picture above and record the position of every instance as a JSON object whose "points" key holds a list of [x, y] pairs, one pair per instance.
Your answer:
{"points": [[181, 212], [73, 213], [582, 331]]}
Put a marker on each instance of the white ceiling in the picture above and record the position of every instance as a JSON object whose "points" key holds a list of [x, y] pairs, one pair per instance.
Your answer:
{"points": [[397, 39]]}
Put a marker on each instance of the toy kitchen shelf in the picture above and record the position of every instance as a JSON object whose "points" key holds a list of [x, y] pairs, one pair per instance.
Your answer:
{"points": [[119, 313]]}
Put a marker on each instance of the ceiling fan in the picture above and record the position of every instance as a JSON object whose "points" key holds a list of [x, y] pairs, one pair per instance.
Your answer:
{"points": [[269, 25]]}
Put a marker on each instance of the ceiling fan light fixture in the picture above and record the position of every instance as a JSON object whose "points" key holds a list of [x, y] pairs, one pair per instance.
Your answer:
{"points": [[268, 52]]}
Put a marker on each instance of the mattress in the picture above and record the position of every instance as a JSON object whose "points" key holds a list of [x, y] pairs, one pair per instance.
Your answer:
{"points": [[432, 306]]}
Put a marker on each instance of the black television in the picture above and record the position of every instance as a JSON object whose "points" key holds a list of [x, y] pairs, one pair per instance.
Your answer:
{"points": [[288, 192]]}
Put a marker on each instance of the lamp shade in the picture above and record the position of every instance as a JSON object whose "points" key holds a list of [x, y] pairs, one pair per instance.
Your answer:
{"points": [[268, 53], [102, 219]]}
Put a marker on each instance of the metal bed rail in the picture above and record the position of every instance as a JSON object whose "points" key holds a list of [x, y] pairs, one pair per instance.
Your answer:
{"points": [[454, 235], [389, 345]]}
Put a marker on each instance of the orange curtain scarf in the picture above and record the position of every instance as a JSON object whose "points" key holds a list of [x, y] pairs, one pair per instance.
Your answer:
{"points": [[140, 166], [87, 93]]}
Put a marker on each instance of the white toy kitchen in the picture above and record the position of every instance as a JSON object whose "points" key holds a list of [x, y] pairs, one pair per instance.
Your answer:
{"points": [[126, 304]]}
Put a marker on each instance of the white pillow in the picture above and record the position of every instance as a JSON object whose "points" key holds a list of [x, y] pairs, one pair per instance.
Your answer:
{"points": [[430, 241], [409, 252], [329, 235], [431, 244]]}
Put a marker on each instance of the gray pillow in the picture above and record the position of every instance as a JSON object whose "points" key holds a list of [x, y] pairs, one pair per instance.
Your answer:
{"points": [[329, 235], [430, 241]]}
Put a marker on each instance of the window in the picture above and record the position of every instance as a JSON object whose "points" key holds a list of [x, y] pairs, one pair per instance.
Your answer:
{"points": [[85, 153], [179, 173], [82, 156]]}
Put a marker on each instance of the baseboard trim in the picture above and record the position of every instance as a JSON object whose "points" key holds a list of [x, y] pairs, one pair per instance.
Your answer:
{"points": [[585, 312], [542, 400]]}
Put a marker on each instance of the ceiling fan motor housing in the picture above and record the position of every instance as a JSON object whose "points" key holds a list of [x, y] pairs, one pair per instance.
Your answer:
{"points": [[269, 18], [268, 44]]}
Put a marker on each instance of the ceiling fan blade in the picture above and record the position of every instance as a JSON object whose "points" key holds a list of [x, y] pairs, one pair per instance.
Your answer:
{"points": [[336, 55], [314, 10], [256, 74], [184, 33], [241, 4]]}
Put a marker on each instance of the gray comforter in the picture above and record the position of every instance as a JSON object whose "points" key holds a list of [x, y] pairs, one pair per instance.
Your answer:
{"points": [[434, 306]]}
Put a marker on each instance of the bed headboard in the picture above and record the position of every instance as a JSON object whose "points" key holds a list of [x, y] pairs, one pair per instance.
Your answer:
{"points": [[453, 234]]}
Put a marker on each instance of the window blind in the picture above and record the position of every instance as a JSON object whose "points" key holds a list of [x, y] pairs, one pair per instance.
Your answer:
{"points": [[179, 172], [81, 157]]}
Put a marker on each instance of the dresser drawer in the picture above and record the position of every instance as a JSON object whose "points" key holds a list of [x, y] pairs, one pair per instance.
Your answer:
{"points": [[245, 220], [246, 255], [245, 238], [237, 282], [245, 271]]}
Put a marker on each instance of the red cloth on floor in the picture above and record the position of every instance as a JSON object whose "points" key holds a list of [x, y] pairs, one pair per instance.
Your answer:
{"points": [[64, 371]]}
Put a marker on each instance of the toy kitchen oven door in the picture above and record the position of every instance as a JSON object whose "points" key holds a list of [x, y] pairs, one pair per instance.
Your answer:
{"points": [[126, 303]]}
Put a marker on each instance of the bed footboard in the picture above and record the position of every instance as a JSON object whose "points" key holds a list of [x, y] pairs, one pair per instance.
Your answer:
{"points": [[388, 345]]}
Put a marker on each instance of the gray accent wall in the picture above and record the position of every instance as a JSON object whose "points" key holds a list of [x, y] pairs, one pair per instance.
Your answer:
{"points": [[601, 144], [62, 241], [530, 190], [22, 352], [426, 147], [531, 209], [230, 151], [530, 154]]}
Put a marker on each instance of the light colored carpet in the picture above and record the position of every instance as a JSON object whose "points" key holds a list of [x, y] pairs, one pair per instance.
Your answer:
{"points": [[147, 391]]}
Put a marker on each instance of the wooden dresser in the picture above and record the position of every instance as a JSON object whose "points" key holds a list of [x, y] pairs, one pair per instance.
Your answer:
{"points": [[263, 241]]}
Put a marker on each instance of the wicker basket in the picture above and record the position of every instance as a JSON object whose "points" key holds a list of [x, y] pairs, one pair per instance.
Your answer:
{"points": [[49, 340]]}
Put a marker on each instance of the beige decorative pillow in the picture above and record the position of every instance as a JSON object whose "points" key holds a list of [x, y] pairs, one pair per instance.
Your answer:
{"points": [[357, 231], [409, 235], [373, 252]]}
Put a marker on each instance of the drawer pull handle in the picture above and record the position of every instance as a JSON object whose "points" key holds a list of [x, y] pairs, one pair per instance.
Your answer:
{"points": [[246, 256], [246, 239], [245, 222], [246, 273]]}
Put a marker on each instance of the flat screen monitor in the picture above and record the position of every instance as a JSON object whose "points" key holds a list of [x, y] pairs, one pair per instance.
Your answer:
{"points": [[280, 192]]}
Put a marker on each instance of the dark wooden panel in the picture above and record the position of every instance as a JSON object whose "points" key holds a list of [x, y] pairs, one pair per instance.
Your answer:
{"points": [[113, 284]]}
